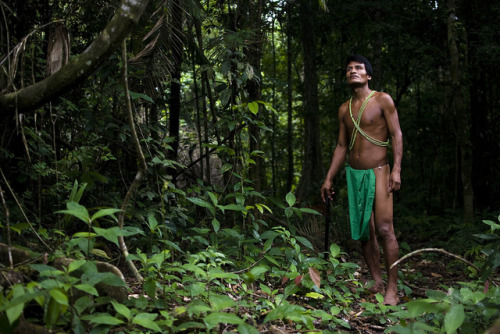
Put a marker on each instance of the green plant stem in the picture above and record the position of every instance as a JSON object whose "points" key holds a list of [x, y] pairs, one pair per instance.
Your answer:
{"points": [[439, 250], [142, 165], [7, 219], [22, 211]]}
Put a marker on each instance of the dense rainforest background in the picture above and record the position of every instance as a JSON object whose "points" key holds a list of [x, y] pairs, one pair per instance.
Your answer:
{"points": [[161, 160]]}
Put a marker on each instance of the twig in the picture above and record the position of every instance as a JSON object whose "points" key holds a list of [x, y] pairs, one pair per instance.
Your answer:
{"points": [[439, 250], [243, 270], [22, 211], [142, 165], [7, 219]]}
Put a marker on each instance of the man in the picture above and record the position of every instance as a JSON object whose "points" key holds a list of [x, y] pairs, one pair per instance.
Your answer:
{"points": [[366, 123]]}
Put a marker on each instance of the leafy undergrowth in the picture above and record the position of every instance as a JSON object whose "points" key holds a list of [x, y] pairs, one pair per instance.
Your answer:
{"points": [[218, 280]]}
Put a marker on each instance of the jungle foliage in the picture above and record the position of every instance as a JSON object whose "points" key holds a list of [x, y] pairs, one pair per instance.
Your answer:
{"points": [[160, 164]]}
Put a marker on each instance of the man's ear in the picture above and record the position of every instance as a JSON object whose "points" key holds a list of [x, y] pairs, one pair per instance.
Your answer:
{"points": [[369, 77]]}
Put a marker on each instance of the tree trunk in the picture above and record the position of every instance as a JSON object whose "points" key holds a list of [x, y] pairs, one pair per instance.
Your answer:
{"points": [[79, 67], [177, 46], [312, 167], [289, 177], [252, 11], [458, 105]]}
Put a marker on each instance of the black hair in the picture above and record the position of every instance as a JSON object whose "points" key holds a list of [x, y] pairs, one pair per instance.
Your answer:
{"points": [[360, 59]]}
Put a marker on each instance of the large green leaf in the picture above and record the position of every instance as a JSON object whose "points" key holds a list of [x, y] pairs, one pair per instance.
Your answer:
{"points": [[105, 212], [305, 242], [76, 210], [213, 319], [202, 203], [147, 320], [454, 318], [15, 309], [221, 302]]}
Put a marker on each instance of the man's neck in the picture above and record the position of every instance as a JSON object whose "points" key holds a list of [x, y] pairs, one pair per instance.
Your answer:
{"points": [[360, 93]]}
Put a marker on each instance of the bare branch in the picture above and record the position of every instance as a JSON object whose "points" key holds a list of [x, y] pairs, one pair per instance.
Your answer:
{"points": [[418, 251]]}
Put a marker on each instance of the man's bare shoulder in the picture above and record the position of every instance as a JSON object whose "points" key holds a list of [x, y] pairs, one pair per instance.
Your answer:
{"points": [[384, 99], [344, 107]]}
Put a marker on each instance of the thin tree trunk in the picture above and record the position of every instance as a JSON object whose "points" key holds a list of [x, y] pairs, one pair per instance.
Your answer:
{"points": [[177, 47], [312, 167], [458, 104], [289, 179]]}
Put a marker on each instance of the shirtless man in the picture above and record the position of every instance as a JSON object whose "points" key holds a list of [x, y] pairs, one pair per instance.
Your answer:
{"points": [[371, 182]]}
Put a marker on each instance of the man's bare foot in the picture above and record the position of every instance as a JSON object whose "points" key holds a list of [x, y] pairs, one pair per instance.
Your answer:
{"points": [[375, 288], [391, 297]]}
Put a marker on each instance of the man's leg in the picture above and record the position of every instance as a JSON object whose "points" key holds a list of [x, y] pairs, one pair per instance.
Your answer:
{"points": [[383, 209], [371, 255]]}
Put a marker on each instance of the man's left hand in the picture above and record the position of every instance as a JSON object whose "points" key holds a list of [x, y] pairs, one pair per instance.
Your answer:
{"points": [[394, 181]]}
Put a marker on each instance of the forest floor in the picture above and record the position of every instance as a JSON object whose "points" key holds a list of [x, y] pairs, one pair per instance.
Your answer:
{"points": [[421, 272]]}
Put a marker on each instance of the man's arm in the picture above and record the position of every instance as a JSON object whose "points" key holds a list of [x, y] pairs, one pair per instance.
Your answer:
{"points": [[338, 158], [392, 119]]}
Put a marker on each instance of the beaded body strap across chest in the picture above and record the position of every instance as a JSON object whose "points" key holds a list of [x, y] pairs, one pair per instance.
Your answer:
{"points": [[357, 123]]}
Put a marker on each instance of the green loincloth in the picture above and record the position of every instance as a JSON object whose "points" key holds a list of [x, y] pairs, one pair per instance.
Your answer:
{"points": [[361, 193]]}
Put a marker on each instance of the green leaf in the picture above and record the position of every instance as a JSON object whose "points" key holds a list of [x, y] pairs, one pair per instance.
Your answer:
{"points": [[215, 225], [334, 250], [147, 320], [221, 302], [59, 296], [189, 325], [454, 318], [76, 210], [254, 107], [290, 199], [233, 207], [315, 295], [85, 235], [74, 265], [213, 198], [15, 310], [214, 319], [283, 311], [196, 289], [103, 319], [247, 329], [308, 210], [134, 96], [110, 234], [194, 268], [305, 242], [418, 307], [202, 203], [87, 288], [214, 273], [105, 212], [494, 226]]}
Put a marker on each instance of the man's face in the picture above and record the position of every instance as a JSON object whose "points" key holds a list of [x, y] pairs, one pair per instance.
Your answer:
{"points": [[356, 74]]}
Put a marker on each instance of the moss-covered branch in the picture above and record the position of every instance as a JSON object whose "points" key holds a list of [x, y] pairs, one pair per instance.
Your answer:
{"points": [[81, 66]]}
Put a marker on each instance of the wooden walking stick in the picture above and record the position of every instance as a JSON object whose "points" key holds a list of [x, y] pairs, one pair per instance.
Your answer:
{"points": [[327, 224]]}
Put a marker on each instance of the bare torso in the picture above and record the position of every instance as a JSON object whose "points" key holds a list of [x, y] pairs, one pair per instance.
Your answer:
{"points": [[365, 154]]}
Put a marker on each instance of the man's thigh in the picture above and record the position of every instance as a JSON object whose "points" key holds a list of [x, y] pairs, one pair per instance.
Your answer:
{"points": [[383, 198]]}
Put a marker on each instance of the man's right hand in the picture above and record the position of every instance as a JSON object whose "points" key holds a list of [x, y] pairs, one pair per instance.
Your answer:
{"points": [[327, 191]]}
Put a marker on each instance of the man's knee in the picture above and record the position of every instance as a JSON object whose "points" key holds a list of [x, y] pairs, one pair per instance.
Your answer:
{"points": [[385, 230]]}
